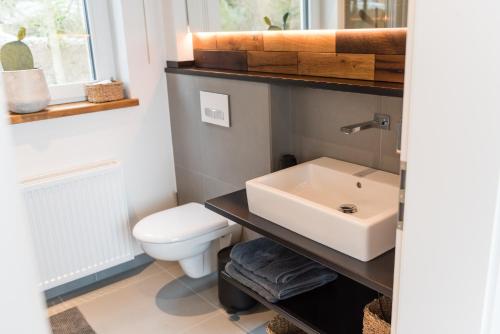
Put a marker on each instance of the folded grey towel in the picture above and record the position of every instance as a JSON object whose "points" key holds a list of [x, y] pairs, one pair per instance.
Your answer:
{"points": [[257, 253], [284, 270], [248, 283], [273, 292], [271, 261]]}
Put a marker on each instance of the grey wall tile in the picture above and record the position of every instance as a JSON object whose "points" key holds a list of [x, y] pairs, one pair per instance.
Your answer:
{"points": [[389, 159], [243, 151], [320, 113], [311, 148], [281, 119], [189, 186], [184, 103], [214, 188], [212, 160], [249, 235], [71, 286], [91, 282], [317, 118], [266, 122]]}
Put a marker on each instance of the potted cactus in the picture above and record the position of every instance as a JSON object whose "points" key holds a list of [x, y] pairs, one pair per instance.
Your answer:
{"points": [[26, 87], [271, 26]]}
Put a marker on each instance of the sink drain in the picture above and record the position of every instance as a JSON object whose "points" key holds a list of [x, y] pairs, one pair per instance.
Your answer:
{"points": [[348, 208]]}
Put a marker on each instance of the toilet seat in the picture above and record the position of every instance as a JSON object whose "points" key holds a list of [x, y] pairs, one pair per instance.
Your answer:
{"points": [[178, 224]]}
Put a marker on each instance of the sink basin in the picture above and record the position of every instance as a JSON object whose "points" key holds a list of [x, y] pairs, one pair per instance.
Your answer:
{"points": [[347, 207]]}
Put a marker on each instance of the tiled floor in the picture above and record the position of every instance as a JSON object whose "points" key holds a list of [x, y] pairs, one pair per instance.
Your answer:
{"points": [[161, 299]]}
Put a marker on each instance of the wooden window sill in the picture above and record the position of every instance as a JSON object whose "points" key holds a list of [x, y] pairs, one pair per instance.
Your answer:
{"points": [[71, 109]]}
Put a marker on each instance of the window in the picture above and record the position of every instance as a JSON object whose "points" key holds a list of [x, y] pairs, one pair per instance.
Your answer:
{"points": [[249, 15], [375, 13], [70, 40]]}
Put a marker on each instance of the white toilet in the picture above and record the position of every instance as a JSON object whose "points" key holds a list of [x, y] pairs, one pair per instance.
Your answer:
{"points": [[190, 234]]}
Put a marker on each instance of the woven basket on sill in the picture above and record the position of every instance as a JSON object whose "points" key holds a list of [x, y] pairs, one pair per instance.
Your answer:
{"points": [[280, 325], [377, 316], [104, 92]]}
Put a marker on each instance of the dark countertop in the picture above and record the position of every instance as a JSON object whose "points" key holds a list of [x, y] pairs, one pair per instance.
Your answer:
{"points": [[376, 274], [344, 85]]}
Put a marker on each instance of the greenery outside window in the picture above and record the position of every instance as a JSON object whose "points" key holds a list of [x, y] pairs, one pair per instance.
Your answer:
{"points": [[249, 15], [70, 40]]}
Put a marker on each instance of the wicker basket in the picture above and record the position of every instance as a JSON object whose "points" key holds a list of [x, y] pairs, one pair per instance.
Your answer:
{"points": [[280, 325], [104, 92], [377, 316]]}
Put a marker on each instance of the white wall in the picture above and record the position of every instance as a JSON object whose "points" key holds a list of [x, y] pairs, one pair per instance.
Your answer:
{"points": [[491, 312], [453, 166], [178, 36], [21, 305], [139, 136]]}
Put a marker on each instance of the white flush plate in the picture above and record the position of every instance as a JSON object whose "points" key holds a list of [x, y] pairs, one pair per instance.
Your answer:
{"points": [[215, 108]]}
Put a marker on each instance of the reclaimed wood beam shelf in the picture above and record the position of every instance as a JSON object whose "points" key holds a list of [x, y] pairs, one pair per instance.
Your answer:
{"points": [[71, 109], [368, 61], [376, 274], [345, 85]]}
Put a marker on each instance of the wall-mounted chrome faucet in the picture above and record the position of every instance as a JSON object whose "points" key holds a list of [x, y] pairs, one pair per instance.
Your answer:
{"points": [[380, 121]]}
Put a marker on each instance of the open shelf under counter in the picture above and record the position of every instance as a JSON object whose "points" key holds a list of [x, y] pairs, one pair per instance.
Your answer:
{"points": [[345, 85], [336, 307], [376, 274]]}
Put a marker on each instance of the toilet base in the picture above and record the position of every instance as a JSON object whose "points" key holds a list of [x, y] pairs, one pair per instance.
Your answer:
{"points": [[205, 263]]}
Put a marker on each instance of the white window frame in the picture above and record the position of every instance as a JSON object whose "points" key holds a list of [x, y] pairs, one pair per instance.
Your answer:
{"points": [[326, 14], [101, 45]]}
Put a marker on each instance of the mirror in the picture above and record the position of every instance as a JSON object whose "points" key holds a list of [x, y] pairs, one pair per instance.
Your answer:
{"points": [[257, 15]]}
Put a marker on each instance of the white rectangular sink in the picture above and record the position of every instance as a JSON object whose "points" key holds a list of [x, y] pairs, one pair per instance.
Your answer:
{"points": [[307, 199]]}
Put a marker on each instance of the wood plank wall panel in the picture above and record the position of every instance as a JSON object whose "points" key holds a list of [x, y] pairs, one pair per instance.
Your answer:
{"points": [[366, 54], [204, 41], [390, 68], [244, 41], [349, 66], [273, 62], [391, 41], [313, 41], [224, 60]]}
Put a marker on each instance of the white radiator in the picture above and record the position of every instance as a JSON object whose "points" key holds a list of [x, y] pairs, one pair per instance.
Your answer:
{"points": [[79, 222]]}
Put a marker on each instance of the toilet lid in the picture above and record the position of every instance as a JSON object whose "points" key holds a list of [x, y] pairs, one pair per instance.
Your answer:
{"points": [[177, 224]]}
